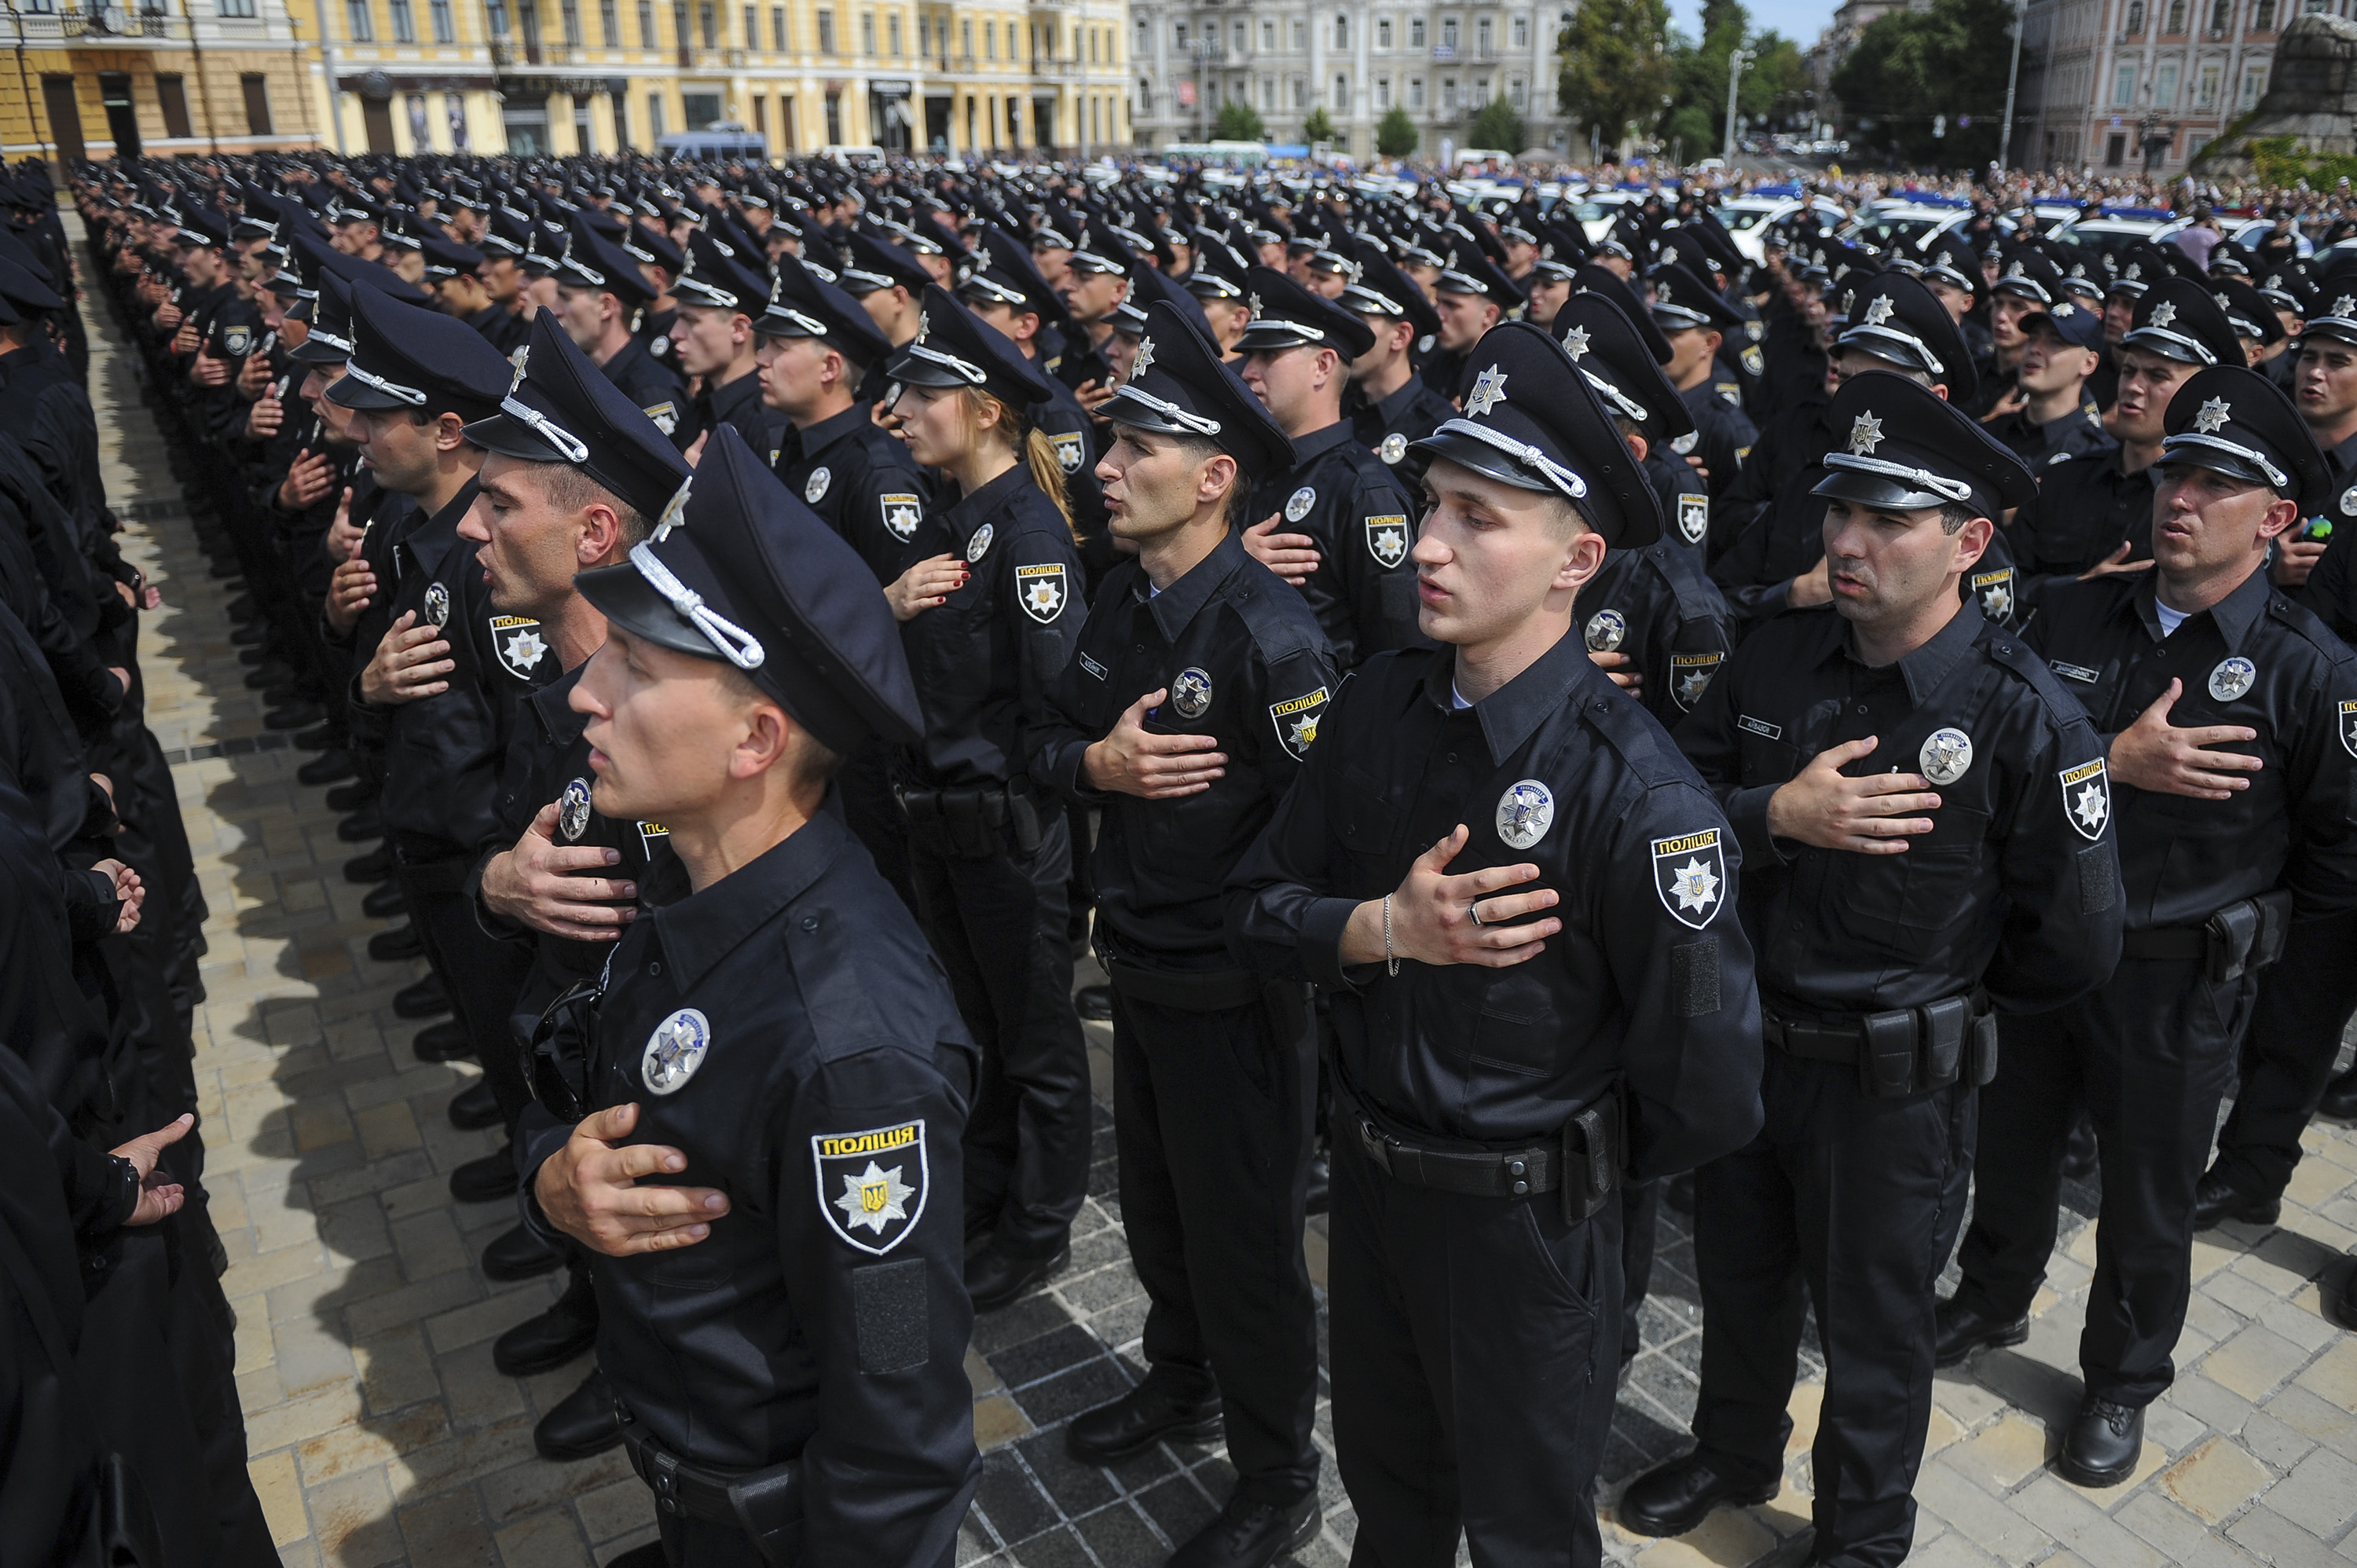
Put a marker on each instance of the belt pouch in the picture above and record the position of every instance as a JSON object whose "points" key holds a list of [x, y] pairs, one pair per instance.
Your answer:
{"points": [[1984, 1058], [2231, 932], [1589, 1162], [1945, 1026], [2274, 927], [1889, 1063], [961, 820], [1024, 817], [768, 1508]]}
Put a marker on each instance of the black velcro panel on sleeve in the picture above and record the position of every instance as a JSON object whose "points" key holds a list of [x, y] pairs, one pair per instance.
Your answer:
{"points": [[2099, 880], [1694, 977], [888, 1305]]}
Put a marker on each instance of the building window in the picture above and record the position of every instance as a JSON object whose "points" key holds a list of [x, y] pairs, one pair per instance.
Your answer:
{"points": [[990, 41], [752, 28], [892, 32], [1416, 32], [1013, 51], [834, 118], [1383, 33], [1238, 34], [2221, 15], [655, 115], [826, 32], [405, 22], [867, 34], [1300, 34], [777, 27], [2254, 85], [2164, 85], [2136, 18], [2124, 87], [1267, 37], [361, 25], [1342, 32], [1268, 92], [445, 30], [2263, 16], [699, 109], [172, 95], [2115, 147], [2175, 16], [708, 16], [1516, 94], [1383, 92], [1301, 93], [647, 40], [1522, 32], [1481, 34], [1448, 33], [570, 11], [1448, 94], [1415, 92], [2205, 90], [1141, 38], [1342, 94], [610, 25], [965, 39]]}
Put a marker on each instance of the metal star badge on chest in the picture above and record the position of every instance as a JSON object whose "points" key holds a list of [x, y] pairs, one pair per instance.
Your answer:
{"points": [[814, 487], [1945, 757], [1297, 507], [1525, 811], [2349, 502], [1694, 518], [872, 1185], [517, 642], [674, 1051], [1394, 447], [1190, 693], [901, 514], [573, 810], [1682, 444], [1387, 539], [1606, 632], [979, 545], [1689, 874], [436, 609], [1041, 589], [2086, 798], [2231, 678]]}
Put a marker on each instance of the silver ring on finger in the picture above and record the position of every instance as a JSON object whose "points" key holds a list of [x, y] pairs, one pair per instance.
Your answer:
{"points": [[1473, 911]]}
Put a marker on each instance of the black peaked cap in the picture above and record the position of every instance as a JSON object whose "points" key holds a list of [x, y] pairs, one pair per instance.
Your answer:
{"points": [[718, 278], [1598, 279], [2247, 311], [2238, 422], [1148, 288], [561, 408], [1004, 274], [1900, 446], [2030, 275], [2334, 311], [591, 260], [1893, 317], [1179, 386], [1951, 260], [955, 349], [876, 265], [406, 356], [1682, 299], [751, 576], [1286, 314], [1613, 354], [804, 305], [329, 339], [1533, 420], [1383, 289], [1471, 271], [2179, 320]]}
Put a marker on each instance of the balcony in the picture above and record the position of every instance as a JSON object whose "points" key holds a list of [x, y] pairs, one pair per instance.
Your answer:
{"points": [[107, 23]]}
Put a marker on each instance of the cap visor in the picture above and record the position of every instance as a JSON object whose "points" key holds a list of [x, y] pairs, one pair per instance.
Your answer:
{"points": [[1483, 459], [2201, 455], [626, 599], [918, 372], [1262, 335], [512, 437], [355, 393], [1875, 491], [2168, 346], [313, 351]]}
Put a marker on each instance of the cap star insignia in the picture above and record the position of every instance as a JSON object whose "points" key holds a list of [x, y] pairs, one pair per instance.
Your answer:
{"points": [[1488, 391], [1880, 311], [2224, 303], [924, 325], [1576, 341], [2214, 413], [2065, 309], [1864, 435], [875, 1197], [1145, 358], [2163, 313], [522, 353], [1254, 300], [2345, 305]]}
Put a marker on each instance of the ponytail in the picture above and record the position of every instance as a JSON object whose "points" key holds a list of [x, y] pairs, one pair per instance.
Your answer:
{"points": [[1032, 448]]}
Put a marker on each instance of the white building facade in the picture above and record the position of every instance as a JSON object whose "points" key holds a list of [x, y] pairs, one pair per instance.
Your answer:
{"points": [[1354, 59]]}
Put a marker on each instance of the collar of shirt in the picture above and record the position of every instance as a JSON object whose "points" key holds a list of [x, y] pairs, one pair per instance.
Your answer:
{"points": [[1396, 407], [1307, 450], [2235, 613], [835, 427], [1557, 681], [700, 932], [728, 398], [430, 538], [962, 519], [1924, 669], [1176, 606], [553, 704], [2342, 460]]}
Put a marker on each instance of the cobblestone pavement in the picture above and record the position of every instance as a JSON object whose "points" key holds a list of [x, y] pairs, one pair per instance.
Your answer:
{"points": [[380, 1434]]}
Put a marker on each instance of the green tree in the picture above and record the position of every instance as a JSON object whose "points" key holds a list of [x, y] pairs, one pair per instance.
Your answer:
{"points": [[1497, 125], [1616, 68], [1911, 69], [1318, 127], [1239, 122], [1396, 135], [1772, 82]]}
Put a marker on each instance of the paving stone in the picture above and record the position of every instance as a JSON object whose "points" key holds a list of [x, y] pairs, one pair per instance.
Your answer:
{"points": [[2320, 1494], [2215, 1480], [2252, 1362]]}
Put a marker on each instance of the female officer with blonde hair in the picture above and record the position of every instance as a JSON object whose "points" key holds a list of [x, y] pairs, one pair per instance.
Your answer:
{"points": [[989, 613]]}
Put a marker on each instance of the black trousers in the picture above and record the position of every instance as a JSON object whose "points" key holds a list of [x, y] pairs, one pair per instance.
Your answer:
{"points": [[482, 975], [997, 925], [2303, 1003], [1474, 1342], [1641, 1220], [2151, 1052], [1212, 1115]]}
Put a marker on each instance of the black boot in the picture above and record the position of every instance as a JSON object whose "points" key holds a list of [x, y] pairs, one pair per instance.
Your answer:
{"points": [[475, 1107], [1962, 1328], [2340, 1099], [543, 1344], [995, 1277], [421, 999], [582, 1425], [376, 865], [1165, 1406], [487, 1180], [447, 1041], [518, 1254], [2103, 1445], [328, 767], [2217, 1200], [1671, 1498], [1251, 1535], [398, 945], [384, 901]]}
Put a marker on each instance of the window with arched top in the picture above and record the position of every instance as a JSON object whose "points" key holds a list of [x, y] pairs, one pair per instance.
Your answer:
{"points": [[2263, 16], [2175, 16], [1342, 32], [2222, 15], [2136, 16]]}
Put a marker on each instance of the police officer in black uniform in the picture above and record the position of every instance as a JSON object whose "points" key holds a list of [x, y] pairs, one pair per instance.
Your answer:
{"points": [[1514, 888], [435, 699], [1338, 499], [1691, 315], [1188, 705], [594, 264], [2094, 513], [758, 1106], [2233, 776], [990, 610], [1922, 811], [2057, 420], [717, 289], [1390, 404], [574, 477]]}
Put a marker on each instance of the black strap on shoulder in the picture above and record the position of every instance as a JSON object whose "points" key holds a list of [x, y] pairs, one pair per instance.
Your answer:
{"points": [[2009, 650]]}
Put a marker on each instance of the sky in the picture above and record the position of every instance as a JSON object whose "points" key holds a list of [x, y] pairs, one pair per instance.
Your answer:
{"points": [[1799, 20]]}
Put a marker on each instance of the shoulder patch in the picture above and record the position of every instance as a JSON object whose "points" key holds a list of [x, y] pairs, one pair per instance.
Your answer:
{"points": [[1689, 875], [1387, 539], [1690, 676], [1296, 718], [1042, 590], [516, 641], [901, 514], [1069, 451], [872, 1185], [665, 415]]}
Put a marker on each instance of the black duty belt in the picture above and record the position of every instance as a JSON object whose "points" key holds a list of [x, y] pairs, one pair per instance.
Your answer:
{"points": [[2239, 940], [1182, 990], [765, 1504], [1589, 1149], [1901, 1051]]}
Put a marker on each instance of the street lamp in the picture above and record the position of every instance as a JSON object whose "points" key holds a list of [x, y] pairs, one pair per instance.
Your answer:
{"points": [[1735, 64], [2012, 75]]}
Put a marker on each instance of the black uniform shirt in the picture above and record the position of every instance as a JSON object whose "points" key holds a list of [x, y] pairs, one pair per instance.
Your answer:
{"points": [[1386, 428], [1722, 437], [1071, 434], [1789, 449], [861, 479], [1342, 496], [790, 1032], [985, 660], [739, 403], [1083, 361], [2016, 885], [2077, 434], [1244, 660], [2253, 659], [2084, 509], [503, 328], [2331, 589], [660, 396], [1656, 607], [1646, 985]]}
